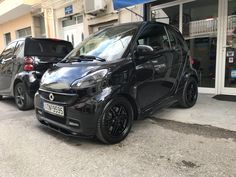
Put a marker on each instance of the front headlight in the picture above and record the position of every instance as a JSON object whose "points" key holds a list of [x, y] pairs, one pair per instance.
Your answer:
{"points": [[90, 80]]}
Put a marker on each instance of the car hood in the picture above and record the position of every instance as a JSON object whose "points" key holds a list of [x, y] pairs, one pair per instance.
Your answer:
{"points": [[62, 75]]}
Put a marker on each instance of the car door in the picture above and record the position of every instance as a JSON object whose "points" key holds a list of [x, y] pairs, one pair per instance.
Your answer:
{"points": [[179, 50], [152, 70], [6, 67]]}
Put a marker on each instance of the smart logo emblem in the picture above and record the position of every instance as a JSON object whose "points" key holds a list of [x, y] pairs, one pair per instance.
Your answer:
{"points": [[51, 97]]}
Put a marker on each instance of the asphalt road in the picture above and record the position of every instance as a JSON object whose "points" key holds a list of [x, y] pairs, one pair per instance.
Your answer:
{"points": [[154, 148]]}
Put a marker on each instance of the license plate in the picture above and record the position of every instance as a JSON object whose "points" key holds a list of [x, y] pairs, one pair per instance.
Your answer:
{"points": [[54, 109]]}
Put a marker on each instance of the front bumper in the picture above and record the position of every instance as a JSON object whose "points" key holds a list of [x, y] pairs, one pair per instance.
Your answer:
{"points": [[80, 118]]}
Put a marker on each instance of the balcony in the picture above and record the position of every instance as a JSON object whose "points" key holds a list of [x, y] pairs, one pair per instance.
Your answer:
{"points": [[208, 27], [10, 9]]}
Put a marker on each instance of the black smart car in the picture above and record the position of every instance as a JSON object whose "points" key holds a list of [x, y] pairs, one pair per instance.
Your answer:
{"points": [[23, 63], [117, 75]]}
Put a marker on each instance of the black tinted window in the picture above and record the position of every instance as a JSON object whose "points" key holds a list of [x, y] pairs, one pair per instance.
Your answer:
{"points": [[9, 50], [177, 41], [19, 48], [47, 48], [154, 36]]}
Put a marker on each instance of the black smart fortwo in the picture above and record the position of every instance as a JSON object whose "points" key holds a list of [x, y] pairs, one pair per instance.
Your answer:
{"points": [[117, 75]]}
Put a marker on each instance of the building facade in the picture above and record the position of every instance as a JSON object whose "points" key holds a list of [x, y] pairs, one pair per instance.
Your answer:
{"points": [[75, 20], [209, 27], [19, 19]]}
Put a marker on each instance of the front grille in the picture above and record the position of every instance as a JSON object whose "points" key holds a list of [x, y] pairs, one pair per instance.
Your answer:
{"points": [[61, 98]]}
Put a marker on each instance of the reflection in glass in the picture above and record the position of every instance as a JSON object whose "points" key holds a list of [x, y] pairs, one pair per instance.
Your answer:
{"points": [[200, 32], [230, 63]]}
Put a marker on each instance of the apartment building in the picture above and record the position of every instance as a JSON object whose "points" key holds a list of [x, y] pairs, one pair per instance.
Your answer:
{"points": [[20, 18], [75, 20], [72, 20]]}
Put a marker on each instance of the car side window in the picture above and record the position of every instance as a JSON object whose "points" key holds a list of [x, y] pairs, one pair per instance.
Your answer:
{"points": [[172, 38], [177, 42], [155, 36], [19, 48], [9, 51]]}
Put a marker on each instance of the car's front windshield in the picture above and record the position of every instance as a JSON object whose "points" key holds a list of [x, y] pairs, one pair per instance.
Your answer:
{"points": [[109, 44]]}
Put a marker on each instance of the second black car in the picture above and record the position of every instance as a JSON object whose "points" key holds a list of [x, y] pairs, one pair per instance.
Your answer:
{"points": [[22, 64]]}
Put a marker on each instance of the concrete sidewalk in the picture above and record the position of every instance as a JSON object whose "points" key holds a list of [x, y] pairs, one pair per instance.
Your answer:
{"points": [[207, 111]]}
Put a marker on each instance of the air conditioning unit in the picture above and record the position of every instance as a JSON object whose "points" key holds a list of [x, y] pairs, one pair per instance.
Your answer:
{"points": [[94, 7]]}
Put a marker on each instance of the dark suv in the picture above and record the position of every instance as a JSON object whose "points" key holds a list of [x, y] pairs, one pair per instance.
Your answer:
{"points": [[117, 75], [23, 63]]}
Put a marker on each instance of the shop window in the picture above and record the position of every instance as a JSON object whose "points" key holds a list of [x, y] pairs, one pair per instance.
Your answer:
{"points": [[230, 56], [25, 32], [200, 31], [7, 38]]}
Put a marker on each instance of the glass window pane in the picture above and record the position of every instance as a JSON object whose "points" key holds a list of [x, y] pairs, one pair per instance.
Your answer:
{"points": [[230, 64], [169, 15], [200, 32]]}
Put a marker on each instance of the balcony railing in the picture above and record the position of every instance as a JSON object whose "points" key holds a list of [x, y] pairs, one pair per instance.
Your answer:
{"points": [[208, 26]]}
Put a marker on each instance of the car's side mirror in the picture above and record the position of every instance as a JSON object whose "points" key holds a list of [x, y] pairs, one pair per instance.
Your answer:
{"points": [[144, 50]]}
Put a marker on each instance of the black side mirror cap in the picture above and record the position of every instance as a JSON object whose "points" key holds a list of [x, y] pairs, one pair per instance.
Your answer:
{"points": [[144, 50]]}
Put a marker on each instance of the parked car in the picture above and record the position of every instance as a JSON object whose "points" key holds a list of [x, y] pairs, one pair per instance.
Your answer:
{"points": [[117, 75], [23, 63]]}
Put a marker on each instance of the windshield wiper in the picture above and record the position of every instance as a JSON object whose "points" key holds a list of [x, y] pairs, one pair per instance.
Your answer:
{"points": [[83, 58], [91, 57]]}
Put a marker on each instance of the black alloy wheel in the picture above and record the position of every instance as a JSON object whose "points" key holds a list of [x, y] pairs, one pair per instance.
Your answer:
{"points": [[22, 99], [116, 121], [190, 93]]}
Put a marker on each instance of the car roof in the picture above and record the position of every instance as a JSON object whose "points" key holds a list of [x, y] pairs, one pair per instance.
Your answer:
{"points": [[143, 23], [31, 38]]}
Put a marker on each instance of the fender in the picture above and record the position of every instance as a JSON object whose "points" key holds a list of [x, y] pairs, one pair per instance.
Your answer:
{"points": [[30, 81]]}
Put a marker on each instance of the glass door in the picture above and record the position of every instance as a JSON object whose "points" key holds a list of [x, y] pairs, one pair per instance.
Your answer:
{"points": [[200, 30], [228, 83]]}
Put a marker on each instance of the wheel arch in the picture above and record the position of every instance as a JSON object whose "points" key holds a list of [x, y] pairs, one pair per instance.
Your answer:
{"points": [[132, 102], [17, 80]]}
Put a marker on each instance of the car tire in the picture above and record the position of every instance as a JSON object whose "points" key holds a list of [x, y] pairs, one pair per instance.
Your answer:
{"points": [[115, 122], [1, 97], [189, 95], [22, 99]]}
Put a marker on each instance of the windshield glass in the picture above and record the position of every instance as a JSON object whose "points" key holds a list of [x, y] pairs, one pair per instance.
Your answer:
{"points": [[109, 44]]}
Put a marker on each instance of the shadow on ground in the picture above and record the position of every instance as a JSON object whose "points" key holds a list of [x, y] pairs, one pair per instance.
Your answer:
{"points": [[9, 101], [201, 130]]}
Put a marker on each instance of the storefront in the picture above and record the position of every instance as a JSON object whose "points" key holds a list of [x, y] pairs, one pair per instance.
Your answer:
{"points": [[209, 28]]}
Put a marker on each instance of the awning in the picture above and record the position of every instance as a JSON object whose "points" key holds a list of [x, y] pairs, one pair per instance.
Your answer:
{"points": [[118, 4]]}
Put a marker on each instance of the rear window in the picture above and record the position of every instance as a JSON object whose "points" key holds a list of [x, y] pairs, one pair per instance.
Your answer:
{"points": [[47, 48]]}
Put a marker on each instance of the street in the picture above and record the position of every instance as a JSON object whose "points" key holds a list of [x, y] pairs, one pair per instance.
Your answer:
{"points": [[154, 147]]}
